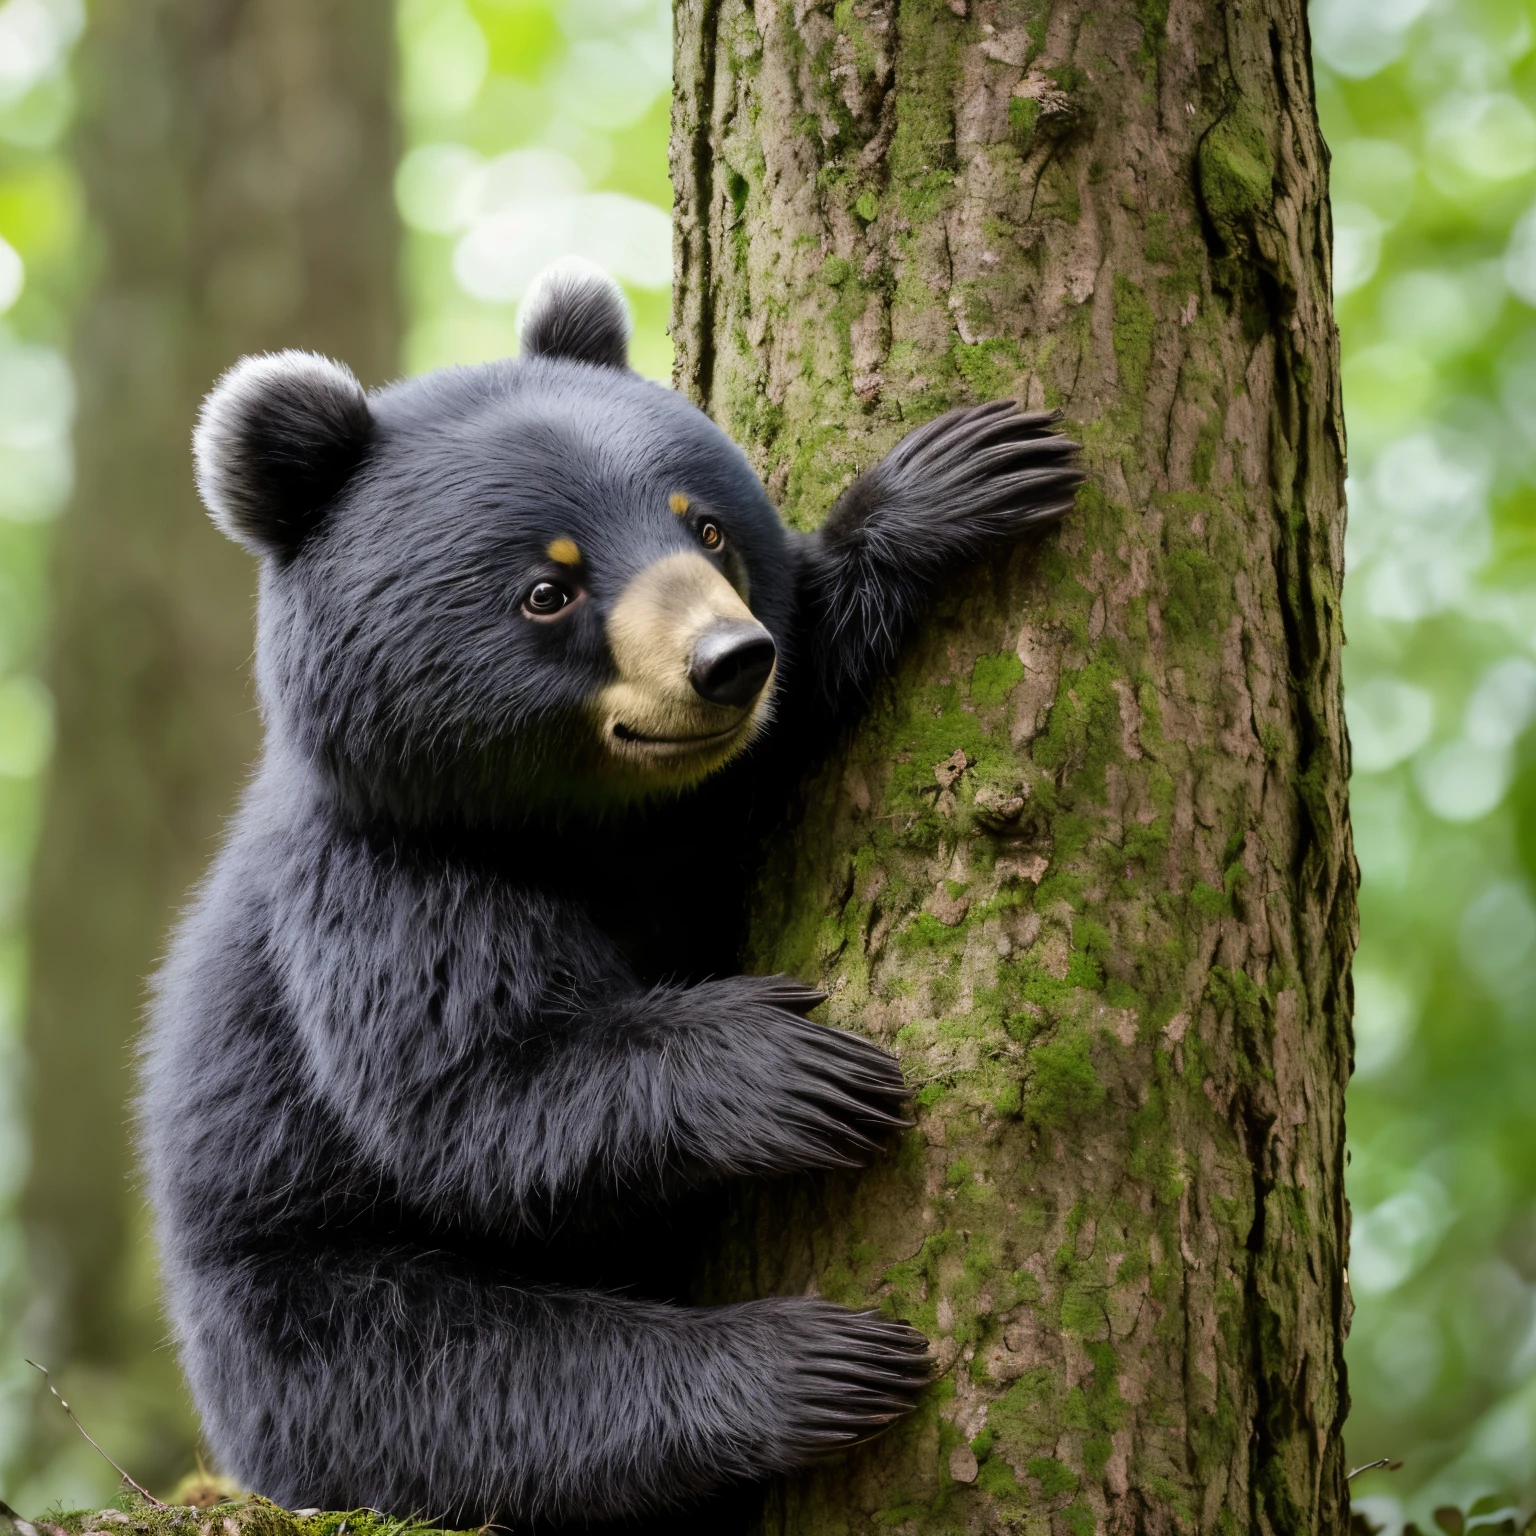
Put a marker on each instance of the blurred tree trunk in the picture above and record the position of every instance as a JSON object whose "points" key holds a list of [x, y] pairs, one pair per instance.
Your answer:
{"points": [[238, 158], [1087, 864]]}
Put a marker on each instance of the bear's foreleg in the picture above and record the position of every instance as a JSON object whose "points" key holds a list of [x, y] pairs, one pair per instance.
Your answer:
{"points": [[539, 1088], [406, 1382], [969, 482]]}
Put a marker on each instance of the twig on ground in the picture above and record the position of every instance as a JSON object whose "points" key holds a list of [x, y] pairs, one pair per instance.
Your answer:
{"points": [[137, 1487]]}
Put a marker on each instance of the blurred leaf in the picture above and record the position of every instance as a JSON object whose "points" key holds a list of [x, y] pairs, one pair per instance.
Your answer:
{"points": [[41, 211], [1430, 112], [496, 94], [523, 36]]}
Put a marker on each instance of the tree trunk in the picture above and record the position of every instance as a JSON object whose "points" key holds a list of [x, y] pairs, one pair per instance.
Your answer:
{"points": [[238, 159], [1086, 864]]}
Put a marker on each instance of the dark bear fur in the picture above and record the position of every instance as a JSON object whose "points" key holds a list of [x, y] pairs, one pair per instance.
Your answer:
{"points": [[455, 1005]]}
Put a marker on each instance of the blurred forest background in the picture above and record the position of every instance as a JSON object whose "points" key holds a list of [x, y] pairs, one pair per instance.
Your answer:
{"points": [[182, 181]]}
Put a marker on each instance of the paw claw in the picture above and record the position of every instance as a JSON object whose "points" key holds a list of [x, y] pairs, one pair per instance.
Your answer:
{"points": [[860, 1373], [789, 993]]}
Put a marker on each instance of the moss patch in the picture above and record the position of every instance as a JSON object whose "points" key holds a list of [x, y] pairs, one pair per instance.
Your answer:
{"points": [[1237, 177], [250, 1516], [993, 677], [1082, 731], [1063, 1086], [1026, 1417], [1133, 335]]}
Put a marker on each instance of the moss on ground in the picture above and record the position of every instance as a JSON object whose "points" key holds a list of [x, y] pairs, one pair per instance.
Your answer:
{"points": [[248, 1515]]}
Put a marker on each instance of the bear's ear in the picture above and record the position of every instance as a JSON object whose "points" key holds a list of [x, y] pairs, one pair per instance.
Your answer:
{"points": [[575, 310], [277, 438]]}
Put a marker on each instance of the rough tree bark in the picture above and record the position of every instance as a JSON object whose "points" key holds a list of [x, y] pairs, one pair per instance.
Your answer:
{"points": [[1087, 865], [238, 157]]}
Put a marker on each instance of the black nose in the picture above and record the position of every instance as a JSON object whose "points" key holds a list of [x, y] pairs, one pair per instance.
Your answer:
{"points": [[731, 663]]}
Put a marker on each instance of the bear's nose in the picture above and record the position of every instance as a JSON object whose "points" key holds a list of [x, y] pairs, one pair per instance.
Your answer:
{"points": [[731, 663]]}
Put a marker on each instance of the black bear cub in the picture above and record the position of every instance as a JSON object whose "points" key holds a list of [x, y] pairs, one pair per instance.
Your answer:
{"points": [[452, 1023]]}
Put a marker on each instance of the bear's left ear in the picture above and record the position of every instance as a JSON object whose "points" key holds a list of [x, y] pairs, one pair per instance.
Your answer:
{"points": [[573, 309], [277, 438]]}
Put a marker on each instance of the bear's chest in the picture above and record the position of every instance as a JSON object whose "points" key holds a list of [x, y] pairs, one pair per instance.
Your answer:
{"points": [[669, 887]]}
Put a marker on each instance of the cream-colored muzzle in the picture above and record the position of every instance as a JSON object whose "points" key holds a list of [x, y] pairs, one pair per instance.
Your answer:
{"points": [[652, 718]]}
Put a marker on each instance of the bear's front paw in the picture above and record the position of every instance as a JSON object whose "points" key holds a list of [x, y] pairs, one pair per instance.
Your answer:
{"points": [[839, 1376], [969, 478], [811, 1096]]}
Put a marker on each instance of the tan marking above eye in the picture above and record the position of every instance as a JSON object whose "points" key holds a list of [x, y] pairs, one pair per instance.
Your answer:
{"points": [[678, 502], [564, 552]]}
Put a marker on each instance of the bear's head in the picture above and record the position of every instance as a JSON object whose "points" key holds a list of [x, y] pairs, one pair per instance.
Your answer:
{"points": [[536, 582]]}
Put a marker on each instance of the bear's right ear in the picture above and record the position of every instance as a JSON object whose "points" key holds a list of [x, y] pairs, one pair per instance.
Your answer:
{"points": [[573, 309], [277, 438]]}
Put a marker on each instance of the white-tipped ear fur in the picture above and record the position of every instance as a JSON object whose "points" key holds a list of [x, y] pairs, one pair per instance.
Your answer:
{"points": [[573, 309], [277, 438]]}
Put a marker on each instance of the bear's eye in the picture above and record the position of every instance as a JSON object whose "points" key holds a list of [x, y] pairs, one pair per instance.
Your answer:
{"points": [[711, 537], [544, 599]]}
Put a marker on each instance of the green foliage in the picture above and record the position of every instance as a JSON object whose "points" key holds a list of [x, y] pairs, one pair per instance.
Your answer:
{"points": [[533, 128], [1430, 114], [43, 263]]}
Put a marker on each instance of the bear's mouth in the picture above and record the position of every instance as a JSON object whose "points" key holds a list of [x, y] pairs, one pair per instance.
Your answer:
{"points": [[627, 733]]}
